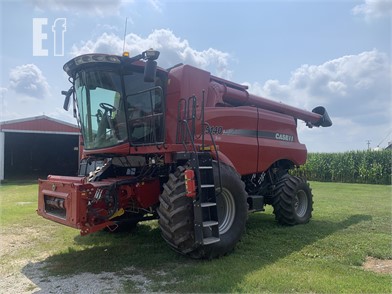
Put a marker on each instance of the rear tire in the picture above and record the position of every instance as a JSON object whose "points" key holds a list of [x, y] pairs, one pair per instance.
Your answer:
{"points": [[177, 221], [292, 201]]}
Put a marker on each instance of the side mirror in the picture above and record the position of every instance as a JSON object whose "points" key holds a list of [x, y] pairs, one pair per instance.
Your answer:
{"points": [[150, 70], [67, 97]]}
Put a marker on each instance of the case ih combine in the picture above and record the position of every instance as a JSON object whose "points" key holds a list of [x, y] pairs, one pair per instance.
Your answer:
{"points": [[192, 150]]}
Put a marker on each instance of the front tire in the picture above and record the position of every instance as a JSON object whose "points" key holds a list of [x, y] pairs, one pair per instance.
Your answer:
{"points": [[177, 220], [292, 201]]}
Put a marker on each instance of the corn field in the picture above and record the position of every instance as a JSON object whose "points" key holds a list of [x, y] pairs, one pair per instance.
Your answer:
{"points": [[366, 167]]}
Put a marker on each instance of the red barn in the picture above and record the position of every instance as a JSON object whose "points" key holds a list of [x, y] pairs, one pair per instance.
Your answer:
{"points": [[37, 146]]}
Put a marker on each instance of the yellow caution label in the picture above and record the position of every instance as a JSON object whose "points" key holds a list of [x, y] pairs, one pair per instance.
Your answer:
{"points": [[119, 212]]}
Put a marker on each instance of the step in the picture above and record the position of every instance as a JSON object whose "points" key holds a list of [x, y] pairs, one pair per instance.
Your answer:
{"points": [[207, 204], [210, 240], [210, 223], [205, 167]]}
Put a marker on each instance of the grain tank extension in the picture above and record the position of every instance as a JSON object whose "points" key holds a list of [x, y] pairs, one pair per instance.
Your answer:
{"points": [[180, 145]]}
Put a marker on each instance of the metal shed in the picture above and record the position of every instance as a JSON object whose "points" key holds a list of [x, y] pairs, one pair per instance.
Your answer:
{"points": [[37, 146]]}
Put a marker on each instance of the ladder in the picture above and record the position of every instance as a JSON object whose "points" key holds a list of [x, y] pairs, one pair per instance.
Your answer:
{"points": [[205, 208], [204, 205]]}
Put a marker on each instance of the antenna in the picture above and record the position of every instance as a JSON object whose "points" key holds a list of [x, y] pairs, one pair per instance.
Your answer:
{"points": [[384, 138], [125, 32]]}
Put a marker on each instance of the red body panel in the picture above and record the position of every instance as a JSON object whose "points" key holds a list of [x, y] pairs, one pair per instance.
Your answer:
{"points": [[273, 149], [240, 148], [146, 193], [184, 82], [248, 135], [249, 138]]}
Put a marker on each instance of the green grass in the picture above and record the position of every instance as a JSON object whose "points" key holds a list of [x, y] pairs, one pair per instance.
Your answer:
{"points": [[350, 222]]}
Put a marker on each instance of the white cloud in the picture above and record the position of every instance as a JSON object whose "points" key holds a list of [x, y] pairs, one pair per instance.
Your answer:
{"points": [[173, 50], [3, 91], [351, 81], [29, 80], [106, 43], [156, 4], [81, 7], [59, 113], [355, 89], [374, 8], [3, 102]]}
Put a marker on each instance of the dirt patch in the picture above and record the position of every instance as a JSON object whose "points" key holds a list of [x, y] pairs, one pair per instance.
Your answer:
{"points": [[13, 240], [16, 238], [383, 266], [21, 274], [86, 283]]}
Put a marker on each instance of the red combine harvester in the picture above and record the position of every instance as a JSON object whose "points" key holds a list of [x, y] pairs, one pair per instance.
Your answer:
{"points": [[192, 150]]}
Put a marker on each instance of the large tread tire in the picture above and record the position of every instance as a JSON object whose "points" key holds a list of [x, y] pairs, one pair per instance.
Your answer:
{"points": [[292, 201], [176, 214]]}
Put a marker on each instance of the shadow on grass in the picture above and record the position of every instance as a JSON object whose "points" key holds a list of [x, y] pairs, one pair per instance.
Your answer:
{"points": [[143, 249]]}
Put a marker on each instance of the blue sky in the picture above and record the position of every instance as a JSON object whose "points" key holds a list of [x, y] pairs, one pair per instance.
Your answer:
{"points": [[304, 53]]}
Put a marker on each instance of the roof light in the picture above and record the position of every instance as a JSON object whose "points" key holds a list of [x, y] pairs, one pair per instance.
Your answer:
{"points": [[126, 54], [87, 58], [71, 65], [151, 54]]}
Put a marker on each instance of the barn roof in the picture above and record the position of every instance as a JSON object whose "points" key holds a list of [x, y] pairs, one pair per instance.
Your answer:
{"points": [[39, 124]]}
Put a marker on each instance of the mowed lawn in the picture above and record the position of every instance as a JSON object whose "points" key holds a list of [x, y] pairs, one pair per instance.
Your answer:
{"points": [[350, 222]]}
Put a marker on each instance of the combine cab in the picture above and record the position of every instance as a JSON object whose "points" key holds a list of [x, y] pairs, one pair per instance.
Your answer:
{"points": [[182, 146]]}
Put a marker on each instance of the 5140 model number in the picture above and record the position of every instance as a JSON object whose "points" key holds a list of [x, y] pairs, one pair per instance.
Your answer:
{"points": [[213, 130]]}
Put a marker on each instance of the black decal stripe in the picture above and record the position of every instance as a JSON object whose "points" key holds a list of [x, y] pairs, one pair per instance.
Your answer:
{"points": [[239, 132], [255, 134], [249, 133], [267, 135]]}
